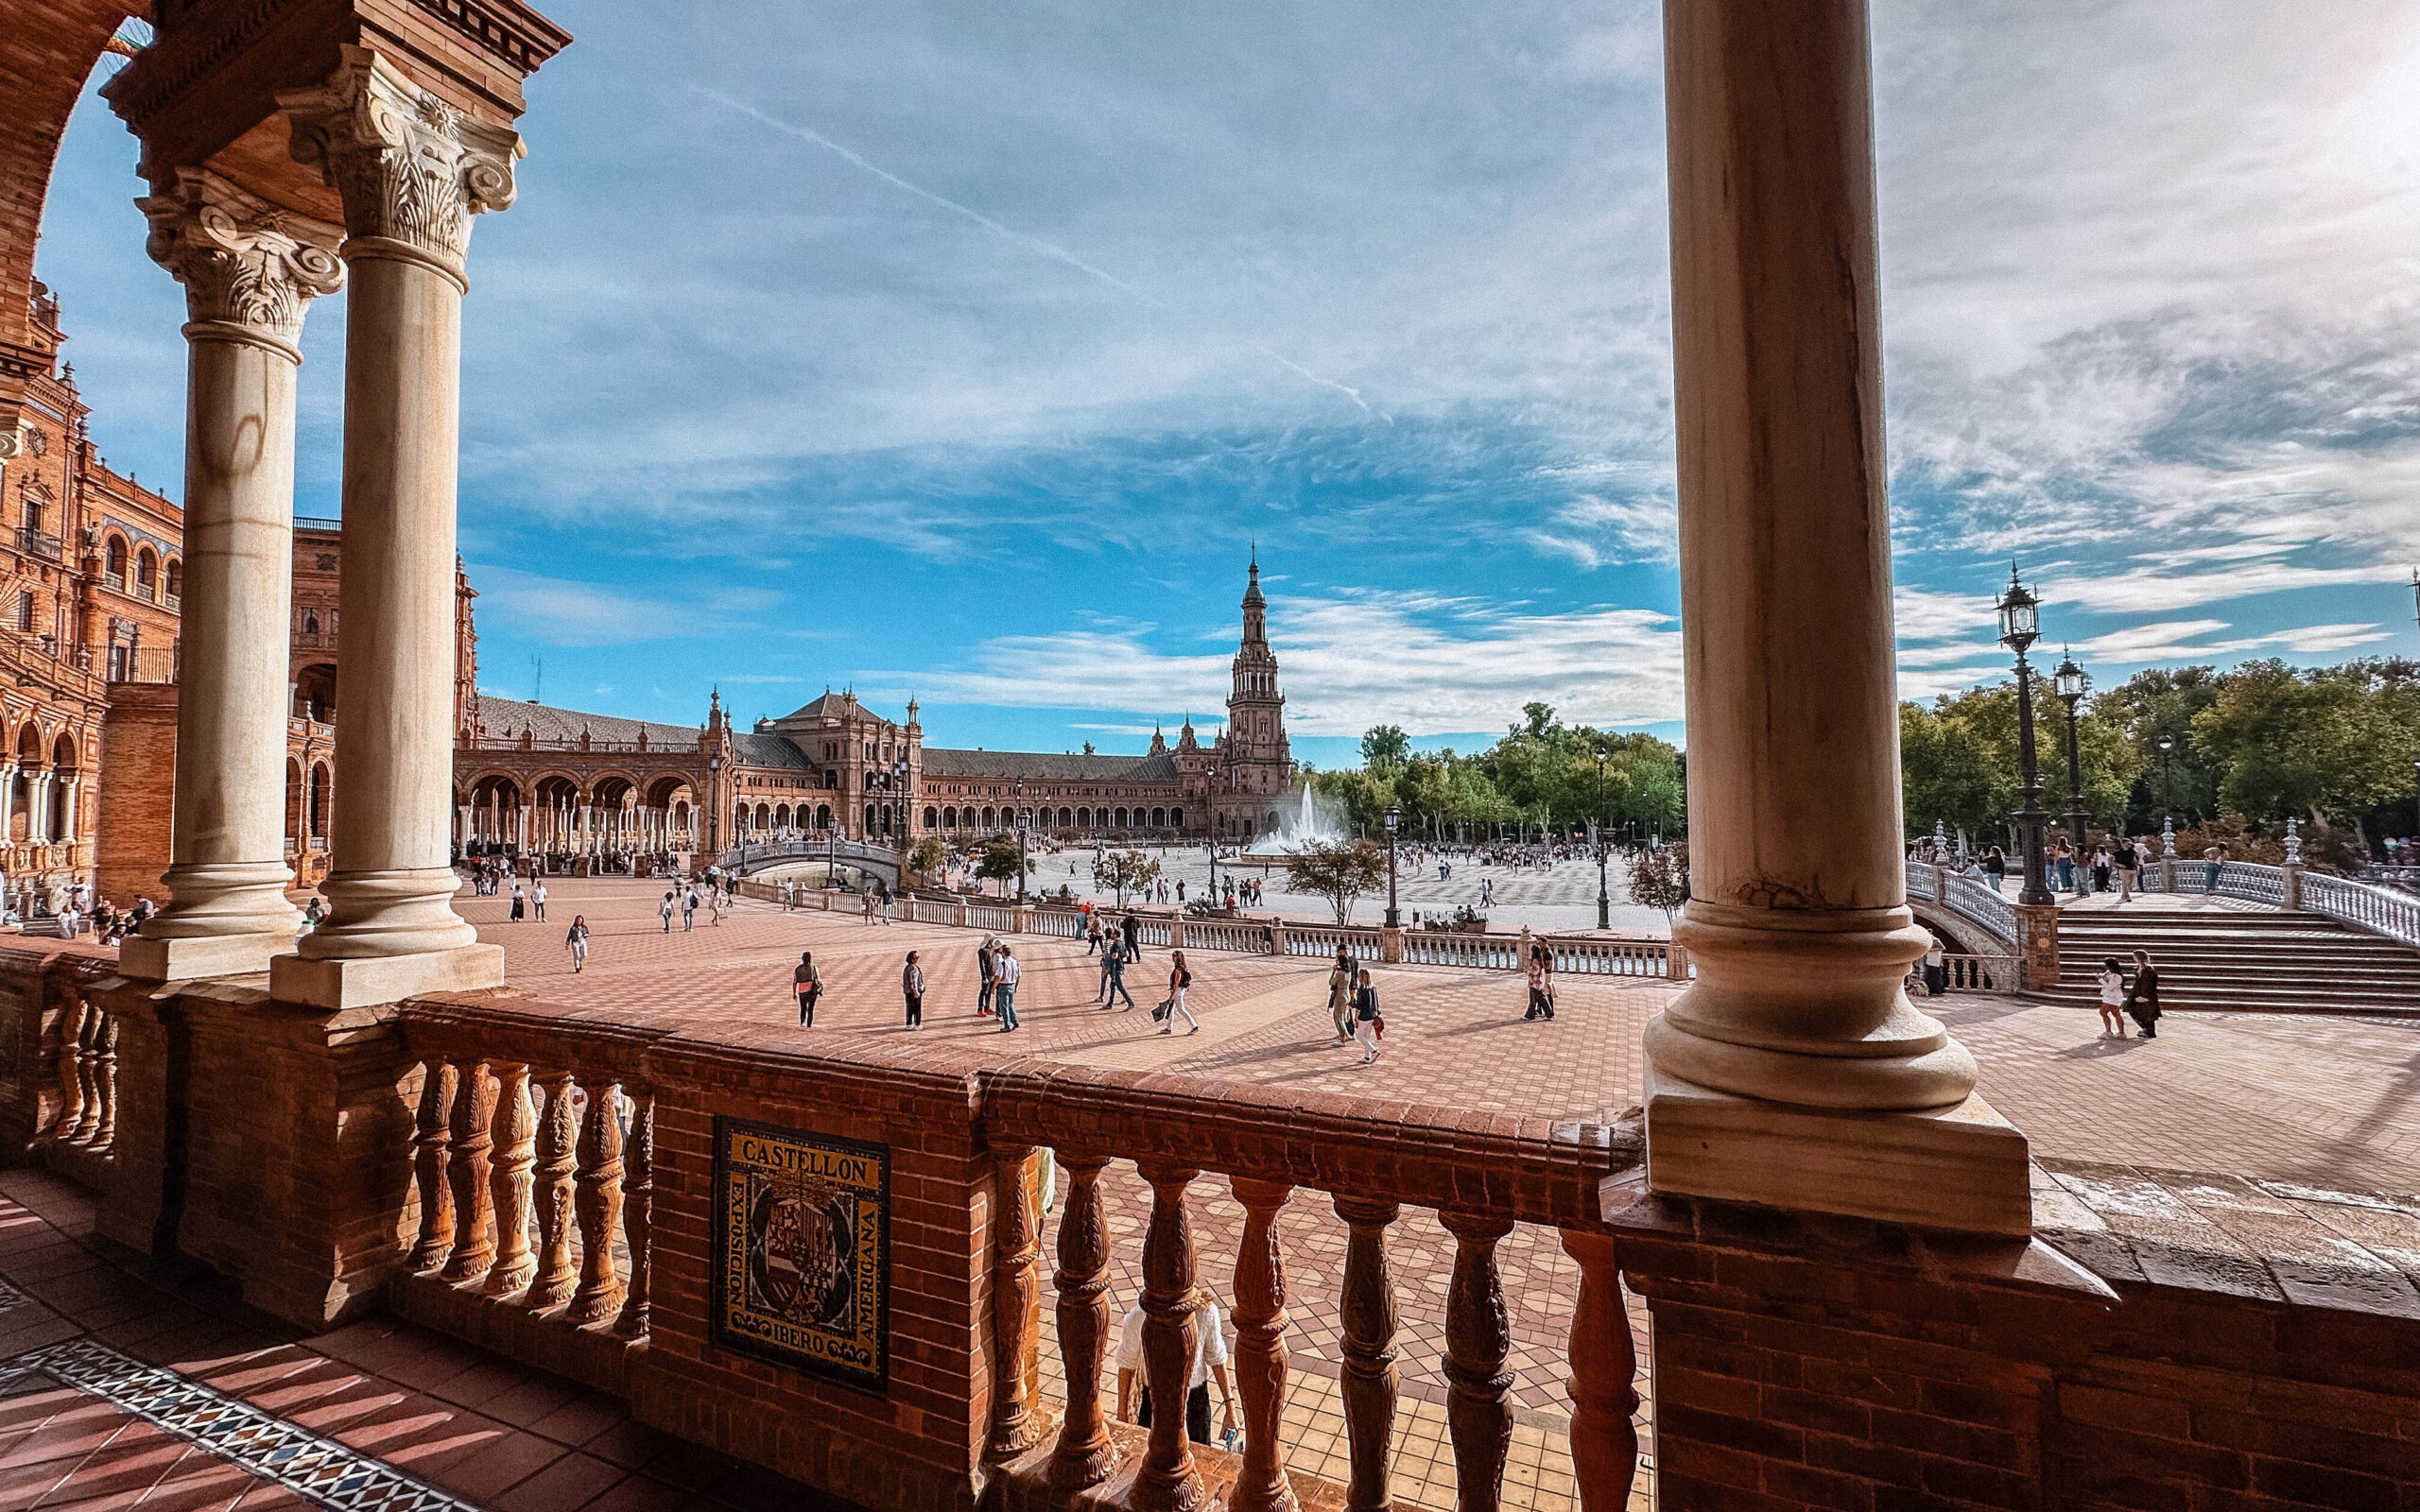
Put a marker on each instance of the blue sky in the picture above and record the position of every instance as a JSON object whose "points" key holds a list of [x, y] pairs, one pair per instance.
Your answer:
{"points": [[966, 349]]}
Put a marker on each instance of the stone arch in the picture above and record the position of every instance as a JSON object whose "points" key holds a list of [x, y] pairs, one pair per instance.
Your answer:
{"points": [[114, 558], [1176, 818], [932, 817], [296, 795], [671, 789], [1066, 819], [174, 577], [1159, 819], [1084, 818], [1122, 820], [323, 790], [146, 574], [315, 692], [823, 815], [771, 817]]}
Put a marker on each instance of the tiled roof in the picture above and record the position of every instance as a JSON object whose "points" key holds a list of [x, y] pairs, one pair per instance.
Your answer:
{"points": [[506, 719], [765, 750], [1044, 766], [834, 706]]}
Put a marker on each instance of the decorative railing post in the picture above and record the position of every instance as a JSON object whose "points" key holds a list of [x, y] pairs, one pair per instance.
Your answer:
{"points": [[1084, 1455], [1478, 1341], [558, 1132], [467, 1170], [105, 1084], [1260, 1349], [1017, 1299], [638, 1214], [71, 1056], [597, 1198], [1369, 1377], [1166, 1480], [1605, 1366], [428, 1166], [515, 1153], [88, 1091]]}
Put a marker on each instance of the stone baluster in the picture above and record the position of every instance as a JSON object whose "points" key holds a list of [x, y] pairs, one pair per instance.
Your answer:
{"points": [[1604, 1367], [1084, 1455], [557, 1132], [88, 1065], [1016, 1298], [1260, 1349], [515, 1153], [638, 1214], [598, 1200], [412, 172], [1166, 1480], [467, 1170], [429, 1154], [71, 1082], [1478, 1341], [105, 1083], [1369, 1376]]}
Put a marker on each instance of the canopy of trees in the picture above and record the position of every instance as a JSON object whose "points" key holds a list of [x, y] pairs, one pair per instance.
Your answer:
{"points": [[1541, 772]]}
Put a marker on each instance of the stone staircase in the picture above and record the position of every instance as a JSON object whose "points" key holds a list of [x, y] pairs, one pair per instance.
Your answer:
{"points": [[2241, 961]]}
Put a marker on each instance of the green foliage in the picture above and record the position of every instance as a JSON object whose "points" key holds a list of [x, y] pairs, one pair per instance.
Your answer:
{"points": [[999, 861], [1659, 878], [926, 855], [1385, 748], [1958, 759], [1126, 871], [2330, 743], [1340, 871]]}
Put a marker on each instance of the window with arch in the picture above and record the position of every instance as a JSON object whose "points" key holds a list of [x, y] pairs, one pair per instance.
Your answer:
{"points": [[932, 818], [176, 579], [26, 611], [113, 563], [1176, 818], [147, 573]]}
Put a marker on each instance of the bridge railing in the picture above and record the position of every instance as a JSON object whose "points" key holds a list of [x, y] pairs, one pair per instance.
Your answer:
{"points": [[2364, 905], [1975, 901]]}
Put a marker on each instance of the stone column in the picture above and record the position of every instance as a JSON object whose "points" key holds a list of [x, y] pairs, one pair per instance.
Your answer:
{"points": [[1766, 1073], [250, 271], [411, 171]]}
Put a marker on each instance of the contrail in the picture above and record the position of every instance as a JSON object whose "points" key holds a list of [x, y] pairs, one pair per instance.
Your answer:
{"points": [[1049, 249]]}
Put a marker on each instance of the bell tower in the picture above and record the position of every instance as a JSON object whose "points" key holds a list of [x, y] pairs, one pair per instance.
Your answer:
{"points": [[1258, 762]]}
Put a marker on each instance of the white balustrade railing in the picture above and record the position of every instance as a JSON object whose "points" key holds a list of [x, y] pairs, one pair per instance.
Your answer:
{"points": [[1489, 953], [992, 917], [1611, 957], [1065, 923], [1980, 974], [1984, 906], [1361, 944], [1202, 935], [2364, 905]]}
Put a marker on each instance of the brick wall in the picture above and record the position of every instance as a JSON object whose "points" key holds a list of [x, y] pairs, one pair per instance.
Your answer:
{"points": [[137, 791], [916, 1447]]}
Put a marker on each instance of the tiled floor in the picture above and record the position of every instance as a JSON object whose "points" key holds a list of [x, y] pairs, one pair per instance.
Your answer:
{"points": [[121, 1391]]}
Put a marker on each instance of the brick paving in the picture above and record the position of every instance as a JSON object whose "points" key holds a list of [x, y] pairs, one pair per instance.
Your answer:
{"points": [[126, 1388]]}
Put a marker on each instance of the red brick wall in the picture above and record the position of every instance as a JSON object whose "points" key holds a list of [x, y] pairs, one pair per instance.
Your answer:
{"points": [[137, 791]]}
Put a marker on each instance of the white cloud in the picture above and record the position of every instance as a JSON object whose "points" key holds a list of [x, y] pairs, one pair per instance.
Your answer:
{"points": [[1433, 663]]}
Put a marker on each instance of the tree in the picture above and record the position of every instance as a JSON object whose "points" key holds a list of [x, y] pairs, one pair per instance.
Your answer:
{"points": [[926, 855], [1659, 878], [1127, 870], [1385, 748], [2328, 744], [1340, 871], [999, 862]]}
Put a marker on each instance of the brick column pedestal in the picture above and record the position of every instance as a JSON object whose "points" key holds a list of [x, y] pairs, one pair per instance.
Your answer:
{"points": [[2037, 946]]}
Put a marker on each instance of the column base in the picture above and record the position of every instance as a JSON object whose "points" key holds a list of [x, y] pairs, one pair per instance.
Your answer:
{"points": [[145, 959], [1962, 1167], [365, 981]]}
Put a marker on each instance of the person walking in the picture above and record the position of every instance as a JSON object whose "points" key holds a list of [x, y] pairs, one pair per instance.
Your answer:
{"points": [[2214, 860], [865, 905], [520, 901], [1132, 931], [1936, 970], [1210, 1357], [2142, 995], [1180, 977], [537, 899], [1113, 966], [1092, 931], [2113, 999], [1365, 1015], [1010, 971], [2100, 868], [577, 940], [807, 983], [1340, 995], [688, 909], [987, 971], [2129, 863], [2066, 867], [911, 987], [1996, 868], [670, 902], [1539, 971]]}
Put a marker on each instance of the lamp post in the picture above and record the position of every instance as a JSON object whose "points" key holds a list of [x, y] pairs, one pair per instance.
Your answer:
{"points": [[1024, 817], [2071, 680], [2020, 626], [714, 806], [1394, 821], [1604, 899], [2167, 777]]}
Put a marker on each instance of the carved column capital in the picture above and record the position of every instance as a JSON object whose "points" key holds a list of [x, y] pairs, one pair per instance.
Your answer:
{"points": [[244, 263], [411, 170]]}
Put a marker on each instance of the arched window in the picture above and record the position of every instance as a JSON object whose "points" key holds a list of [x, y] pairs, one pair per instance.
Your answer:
{"points": [[823, 817], [1159, 819], [868, 828], [1066, 819], [1176, 818], [772, 818], [1121, 819], [320, 787], [176, 578], [988, 818], [949, 818], [113, 563], [25, 612], [147, 573], [932, 818], [1084, 818]]}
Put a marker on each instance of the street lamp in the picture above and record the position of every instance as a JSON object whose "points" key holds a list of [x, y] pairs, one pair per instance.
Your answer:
{"points": [[2020, 626], [2166, 776], [1394, 821], [2071, 680], [1604, 899], [1025, 816]]}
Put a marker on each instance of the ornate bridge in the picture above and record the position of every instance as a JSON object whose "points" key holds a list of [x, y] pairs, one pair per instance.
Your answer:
{"points": [[876, 860]]}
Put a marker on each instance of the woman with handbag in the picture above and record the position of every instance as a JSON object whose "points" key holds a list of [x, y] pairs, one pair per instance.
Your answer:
{"points": [[1365, 1015], [808, 983], [1179, 979], [2142, 997]]}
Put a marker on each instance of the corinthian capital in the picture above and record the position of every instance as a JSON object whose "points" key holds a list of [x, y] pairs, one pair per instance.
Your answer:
{"points": [[243, 262], [409, 167]]}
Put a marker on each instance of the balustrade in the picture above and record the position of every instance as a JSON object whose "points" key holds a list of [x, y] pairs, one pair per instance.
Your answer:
{"points": [[86, 1072], [1611, 957], [1980, 974]]}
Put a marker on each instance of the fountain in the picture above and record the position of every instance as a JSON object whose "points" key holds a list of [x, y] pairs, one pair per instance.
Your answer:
{"points": [[1312, 818]]}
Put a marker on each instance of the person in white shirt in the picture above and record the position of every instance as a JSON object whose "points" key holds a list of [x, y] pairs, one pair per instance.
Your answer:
{"points": [[1007, 972], [1209, 1362], [538, 901]]}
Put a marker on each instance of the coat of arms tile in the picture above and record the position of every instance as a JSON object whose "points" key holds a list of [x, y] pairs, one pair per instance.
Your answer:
{"points": [[803, 1250]]}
